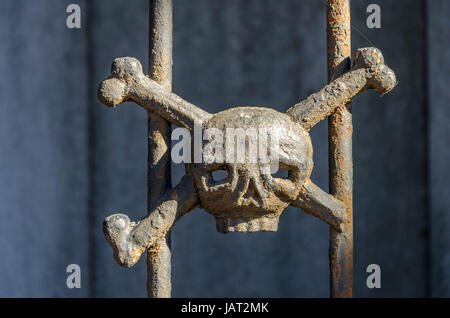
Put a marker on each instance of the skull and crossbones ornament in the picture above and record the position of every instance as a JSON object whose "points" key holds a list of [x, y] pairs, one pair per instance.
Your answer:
{"points": [[247, 200]]}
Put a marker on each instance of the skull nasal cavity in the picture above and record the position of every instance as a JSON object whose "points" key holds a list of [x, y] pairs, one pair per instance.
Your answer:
{"points": [[253, 191]]}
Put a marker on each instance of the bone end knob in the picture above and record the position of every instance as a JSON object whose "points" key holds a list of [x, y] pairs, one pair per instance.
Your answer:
{"points": [[380, 77], [114, 90]]}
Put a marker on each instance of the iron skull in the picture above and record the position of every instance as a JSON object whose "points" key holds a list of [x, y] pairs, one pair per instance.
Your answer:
{"points": [[248, 197]]}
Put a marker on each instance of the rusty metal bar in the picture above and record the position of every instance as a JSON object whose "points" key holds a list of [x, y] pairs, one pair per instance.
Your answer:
{"points": [[159, 174], [340, 131]]}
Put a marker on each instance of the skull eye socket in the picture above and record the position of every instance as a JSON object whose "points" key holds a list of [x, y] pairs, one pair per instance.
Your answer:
{"points": [[219, 175], [281, 173], [287, 172]]}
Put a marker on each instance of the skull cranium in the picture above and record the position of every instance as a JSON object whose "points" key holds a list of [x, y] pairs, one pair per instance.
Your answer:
{"points": [[250, 198]]}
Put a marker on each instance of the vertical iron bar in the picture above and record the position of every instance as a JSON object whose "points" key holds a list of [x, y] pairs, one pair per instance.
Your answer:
{"points": [[340, 131], [159, 174]]}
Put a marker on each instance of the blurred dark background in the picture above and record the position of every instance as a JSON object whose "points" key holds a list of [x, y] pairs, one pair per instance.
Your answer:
{"points": [[67, 161]]}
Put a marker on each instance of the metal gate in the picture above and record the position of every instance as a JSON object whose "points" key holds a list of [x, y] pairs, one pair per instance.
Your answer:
{"points": [[250, 198]]}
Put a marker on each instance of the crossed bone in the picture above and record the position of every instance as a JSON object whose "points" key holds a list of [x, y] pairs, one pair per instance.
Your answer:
{"points": [[128, 83]]}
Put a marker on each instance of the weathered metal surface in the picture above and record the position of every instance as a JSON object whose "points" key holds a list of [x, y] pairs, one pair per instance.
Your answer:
{"points": [[340, 131], [247, 200], [368, 72], [128, 83], [159, 174], [390, 218], [318, 203], [129, 239]]}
